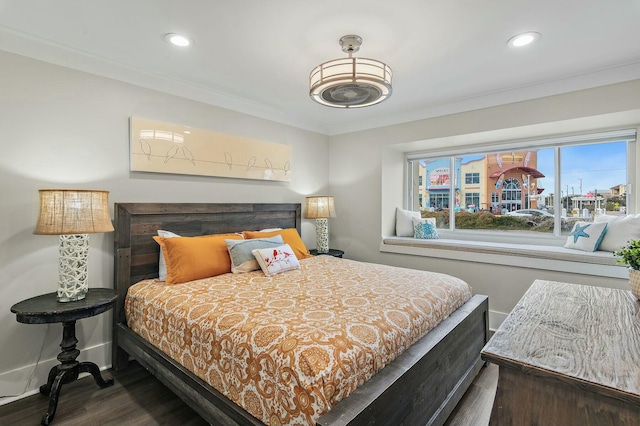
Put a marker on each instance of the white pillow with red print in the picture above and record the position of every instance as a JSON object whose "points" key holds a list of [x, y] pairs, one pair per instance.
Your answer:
{"points": [[276, 260]]}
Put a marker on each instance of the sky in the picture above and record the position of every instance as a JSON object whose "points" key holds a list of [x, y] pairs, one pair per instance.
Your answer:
{"points": [[594, 167], [590, 167]]}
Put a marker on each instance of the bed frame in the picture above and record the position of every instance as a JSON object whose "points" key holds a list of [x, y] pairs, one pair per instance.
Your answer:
{"points": [[422, 386]]}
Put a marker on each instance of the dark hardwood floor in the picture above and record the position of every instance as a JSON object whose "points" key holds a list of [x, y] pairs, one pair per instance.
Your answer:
{"points": [[475, 406], [137, 398]]}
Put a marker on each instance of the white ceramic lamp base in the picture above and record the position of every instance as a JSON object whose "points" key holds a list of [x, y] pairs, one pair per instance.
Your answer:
{"points": [[322, 235], [72, 269]]}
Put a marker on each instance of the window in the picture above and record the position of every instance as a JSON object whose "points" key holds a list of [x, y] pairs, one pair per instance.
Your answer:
{"points": [[470, 178], [512, 195], [472, 200], [440, 201], [543, 186]]}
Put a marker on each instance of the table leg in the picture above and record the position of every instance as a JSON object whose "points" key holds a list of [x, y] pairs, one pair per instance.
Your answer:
{"points": [[53, 397], [46, 388], [90, 367], [68, 370], [69, 353]]}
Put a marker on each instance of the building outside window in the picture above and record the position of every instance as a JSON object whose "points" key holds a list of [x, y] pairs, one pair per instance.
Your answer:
{"points": [[436, 185], [522, 182]]}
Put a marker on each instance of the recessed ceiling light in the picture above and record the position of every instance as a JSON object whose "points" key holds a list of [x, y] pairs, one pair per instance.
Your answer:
{"points": [[523, 39], [178, 39]]}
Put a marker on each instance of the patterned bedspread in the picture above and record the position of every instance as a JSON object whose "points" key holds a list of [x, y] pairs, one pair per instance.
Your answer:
{"points": [[289, 347]]}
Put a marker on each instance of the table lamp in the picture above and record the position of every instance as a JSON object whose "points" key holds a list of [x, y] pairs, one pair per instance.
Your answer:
{"points": [[73, 214], [321, 208]]}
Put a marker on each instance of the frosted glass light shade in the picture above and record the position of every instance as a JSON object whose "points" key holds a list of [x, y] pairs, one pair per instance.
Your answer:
{"points": [[350, 82], [360, 82]]}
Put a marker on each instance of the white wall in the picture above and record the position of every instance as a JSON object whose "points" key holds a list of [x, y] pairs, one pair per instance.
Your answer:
{"points": [[366, 196], [61, 128]]}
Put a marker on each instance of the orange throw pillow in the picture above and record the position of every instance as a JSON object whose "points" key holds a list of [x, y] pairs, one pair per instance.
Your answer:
{"points": [[290, 236], [193, 258]]}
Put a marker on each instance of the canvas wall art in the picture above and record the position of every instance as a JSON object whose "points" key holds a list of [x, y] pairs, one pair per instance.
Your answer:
{"points": [[162, 147]]}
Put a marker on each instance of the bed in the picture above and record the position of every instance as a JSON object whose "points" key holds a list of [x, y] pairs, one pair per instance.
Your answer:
{"points": [[420, 386]]}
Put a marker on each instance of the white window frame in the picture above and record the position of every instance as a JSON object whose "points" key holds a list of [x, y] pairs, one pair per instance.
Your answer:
{"points": [[628, 135]]}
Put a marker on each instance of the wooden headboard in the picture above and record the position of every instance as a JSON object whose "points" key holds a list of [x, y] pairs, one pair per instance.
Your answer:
{"points": [[136, 253]]}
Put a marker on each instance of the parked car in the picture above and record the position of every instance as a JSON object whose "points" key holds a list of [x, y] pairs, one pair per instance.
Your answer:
{"points": [[529, 212]]}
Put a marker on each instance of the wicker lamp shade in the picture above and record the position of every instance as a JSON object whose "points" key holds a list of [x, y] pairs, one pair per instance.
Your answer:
{"points": [[71, 212], [320, 207]]}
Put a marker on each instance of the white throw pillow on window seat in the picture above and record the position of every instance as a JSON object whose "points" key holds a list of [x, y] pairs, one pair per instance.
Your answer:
{"points": [[620, 230], [404, 222], [425, 228], [586, 236]]}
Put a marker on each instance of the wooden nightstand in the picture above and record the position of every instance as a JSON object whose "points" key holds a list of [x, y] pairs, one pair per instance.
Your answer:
{"points": [[46, 309], [332, 252]]}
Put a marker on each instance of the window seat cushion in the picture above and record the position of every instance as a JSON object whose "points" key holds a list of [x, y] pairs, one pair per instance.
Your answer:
{"points": [[522, 250]]}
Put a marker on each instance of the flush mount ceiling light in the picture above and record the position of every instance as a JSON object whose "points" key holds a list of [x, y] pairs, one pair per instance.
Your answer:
{"points": [[177, 39], [350, 82], [523, 39]]}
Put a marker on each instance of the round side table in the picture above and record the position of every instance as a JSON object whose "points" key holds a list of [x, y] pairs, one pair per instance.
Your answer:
{"points": [[46, 309], [332, 252]]}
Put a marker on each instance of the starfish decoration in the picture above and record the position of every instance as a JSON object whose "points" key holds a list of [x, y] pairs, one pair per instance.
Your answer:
{"points": [[579, 232]]}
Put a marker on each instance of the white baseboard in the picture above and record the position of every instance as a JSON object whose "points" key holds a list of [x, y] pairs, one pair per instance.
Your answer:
{"points": [[14, 382]]}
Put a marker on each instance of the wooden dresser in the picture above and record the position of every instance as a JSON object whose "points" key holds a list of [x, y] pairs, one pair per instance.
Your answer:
{"points": [[568, 354]]}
